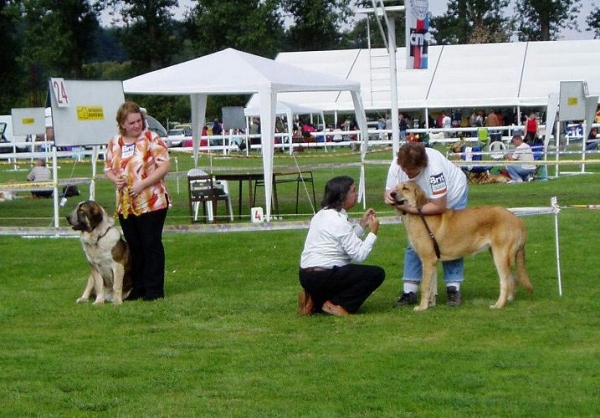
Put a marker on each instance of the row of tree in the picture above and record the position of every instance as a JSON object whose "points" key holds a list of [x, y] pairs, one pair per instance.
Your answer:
{"points": [[50, 38]]}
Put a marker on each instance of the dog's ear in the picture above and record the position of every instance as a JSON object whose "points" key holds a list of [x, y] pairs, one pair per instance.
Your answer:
{"points": [[94, 214], [419, 195]]}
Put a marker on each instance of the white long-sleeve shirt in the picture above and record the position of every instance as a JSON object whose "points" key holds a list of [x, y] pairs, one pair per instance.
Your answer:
{"points": [[333, 240]]}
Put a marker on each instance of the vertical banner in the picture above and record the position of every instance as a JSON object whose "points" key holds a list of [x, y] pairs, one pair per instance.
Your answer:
{"points": [[417, 33]]}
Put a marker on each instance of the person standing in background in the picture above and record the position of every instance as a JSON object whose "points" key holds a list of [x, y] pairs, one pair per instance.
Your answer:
{"points": [[531, 129]]}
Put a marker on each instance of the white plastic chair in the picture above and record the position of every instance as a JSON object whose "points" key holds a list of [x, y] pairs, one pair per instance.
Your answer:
{"points": [[217, 190]]}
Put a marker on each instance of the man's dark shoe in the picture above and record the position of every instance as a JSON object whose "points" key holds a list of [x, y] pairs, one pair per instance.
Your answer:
{"points": [[454, 296], [407, 299]]}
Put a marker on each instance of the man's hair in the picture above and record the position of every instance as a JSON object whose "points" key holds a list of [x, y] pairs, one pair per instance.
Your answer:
{"points": [[413, 155], [125, 110], [336, 191]]}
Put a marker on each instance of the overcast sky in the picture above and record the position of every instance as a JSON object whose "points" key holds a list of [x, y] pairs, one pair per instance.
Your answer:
{"points": [[438, 7]]}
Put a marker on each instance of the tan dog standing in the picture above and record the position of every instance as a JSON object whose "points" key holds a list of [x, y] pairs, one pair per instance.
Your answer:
{"points": [[458, 233], [107, 254]]}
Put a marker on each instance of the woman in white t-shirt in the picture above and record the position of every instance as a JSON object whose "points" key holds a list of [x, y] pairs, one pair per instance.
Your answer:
{"points": [[445, 186]]}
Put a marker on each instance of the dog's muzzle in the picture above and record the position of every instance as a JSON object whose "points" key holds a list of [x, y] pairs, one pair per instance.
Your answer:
{"points": [[396, 200]]}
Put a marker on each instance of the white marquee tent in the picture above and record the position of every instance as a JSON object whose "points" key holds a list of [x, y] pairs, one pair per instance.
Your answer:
{"points": [[475, 75], [235, 72]]}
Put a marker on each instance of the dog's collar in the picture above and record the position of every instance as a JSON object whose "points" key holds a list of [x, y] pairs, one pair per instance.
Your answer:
{"points": [[436, 247], [103, 235]]}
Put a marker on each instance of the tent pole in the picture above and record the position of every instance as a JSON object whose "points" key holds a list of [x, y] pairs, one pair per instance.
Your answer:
{"points": [[393, 83]]}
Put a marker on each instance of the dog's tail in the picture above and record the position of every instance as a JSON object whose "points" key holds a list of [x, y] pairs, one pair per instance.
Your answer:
{"points": [[521, 270]]}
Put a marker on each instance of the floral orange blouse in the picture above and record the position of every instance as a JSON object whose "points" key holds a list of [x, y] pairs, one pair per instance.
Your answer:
{"points": [[137, 161]]}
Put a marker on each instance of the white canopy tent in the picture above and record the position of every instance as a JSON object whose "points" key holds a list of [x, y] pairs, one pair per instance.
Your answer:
{"points": [[473, 75], [235, 72]]}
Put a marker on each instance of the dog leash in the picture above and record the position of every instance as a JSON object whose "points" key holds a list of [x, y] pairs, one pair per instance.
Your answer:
{"points": [[436, 247]]}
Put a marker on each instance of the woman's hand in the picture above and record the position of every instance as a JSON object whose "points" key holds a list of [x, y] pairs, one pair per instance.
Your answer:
{"points": [[136, 188], [364, 221], [120, 182], [373, 223], [387, 197]]}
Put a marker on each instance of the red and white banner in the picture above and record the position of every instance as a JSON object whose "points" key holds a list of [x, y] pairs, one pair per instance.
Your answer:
{"points": [[417, 33]]}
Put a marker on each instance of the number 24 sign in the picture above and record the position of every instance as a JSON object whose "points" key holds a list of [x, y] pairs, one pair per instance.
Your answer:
{"points": [[59, 89]]}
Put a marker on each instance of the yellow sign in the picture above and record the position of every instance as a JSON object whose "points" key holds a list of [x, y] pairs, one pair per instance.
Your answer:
{"points": [[90, 113], [572, 101], [28, 121]]}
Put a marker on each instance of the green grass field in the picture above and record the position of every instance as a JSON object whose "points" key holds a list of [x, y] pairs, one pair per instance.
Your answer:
{"points": [[226, 340]]}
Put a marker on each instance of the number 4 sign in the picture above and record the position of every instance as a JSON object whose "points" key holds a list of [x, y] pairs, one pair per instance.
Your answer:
{"points": [[59, 89], [256, 214]]}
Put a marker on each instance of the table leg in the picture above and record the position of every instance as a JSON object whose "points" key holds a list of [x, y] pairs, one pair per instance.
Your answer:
{"points": [[240, 187], [251, 197], [275, 198]]}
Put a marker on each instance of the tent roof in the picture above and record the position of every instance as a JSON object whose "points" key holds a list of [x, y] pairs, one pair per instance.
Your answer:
{"points": [[234, 72], [474, 75]]}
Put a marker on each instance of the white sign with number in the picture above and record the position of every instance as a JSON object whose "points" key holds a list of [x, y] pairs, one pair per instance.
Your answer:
{"points": [[59, 90], [257, 215], [89, 119]]}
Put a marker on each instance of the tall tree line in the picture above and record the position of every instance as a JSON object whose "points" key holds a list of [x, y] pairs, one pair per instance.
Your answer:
{"points": [[64, 38]]}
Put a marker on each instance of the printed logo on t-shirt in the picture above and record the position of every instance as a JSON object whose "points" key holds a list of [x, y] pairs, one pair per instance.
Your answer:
{"points": [[127, 150], [438, 184]]}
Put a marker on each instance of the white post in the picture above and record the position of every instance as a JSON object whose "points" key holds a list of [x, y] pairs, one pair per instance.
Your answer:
{"points": [[583, 139], [95, 151], [557, 141], [55, 180], [393, 84], [554, 204], [177, 171]]}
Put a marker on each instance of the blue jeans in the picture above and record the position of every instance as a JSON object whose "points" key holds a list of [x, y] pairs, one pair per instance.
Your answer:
{"points": [[516, 172], [453, 269]]}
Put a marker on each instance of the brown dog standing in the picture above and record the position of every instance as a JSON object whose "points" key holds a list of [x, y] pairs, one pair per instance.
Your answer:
{"points": [[458, 233]]}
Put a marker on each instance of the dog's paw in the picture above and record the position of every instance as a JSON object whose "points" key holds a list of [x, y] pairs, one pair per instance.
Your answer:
{"points": [[82, 300], [99, 302], [117, 301], [420, 308]]}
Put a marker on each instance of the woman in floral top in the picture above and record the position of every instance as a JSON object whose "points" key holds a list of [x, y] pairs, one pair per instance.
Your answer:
{"points": [[137, 161]]}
